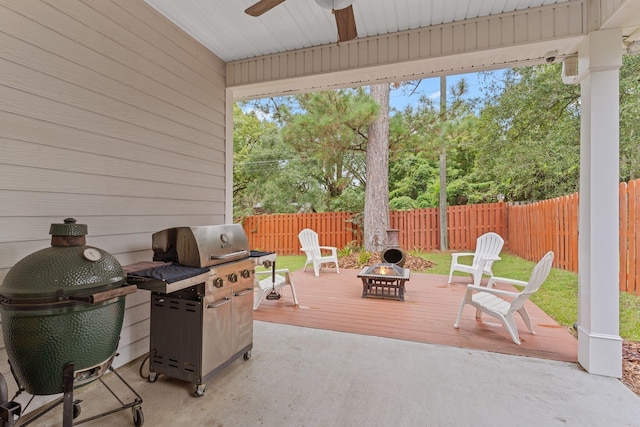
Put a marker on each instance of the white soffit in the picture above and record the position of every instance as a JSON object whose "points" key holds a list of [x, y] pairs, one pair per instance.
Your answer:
{"points": [[224, 28]]}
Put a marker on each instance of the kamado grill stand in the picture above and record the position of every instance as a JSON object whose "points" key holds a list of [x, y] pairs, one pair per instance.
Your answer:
{"points": [[201, 283], [62, 310]]}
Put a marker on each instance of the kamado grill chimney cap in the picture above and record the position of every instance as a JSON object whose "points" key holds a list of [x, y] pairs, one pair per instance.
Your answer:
{"points": [[69, 228]]}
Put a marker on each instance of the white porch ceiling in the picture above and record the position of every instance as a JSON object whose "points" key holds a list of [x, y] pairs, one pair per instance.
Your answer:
{"points": [[278, 52], [224, 28]]}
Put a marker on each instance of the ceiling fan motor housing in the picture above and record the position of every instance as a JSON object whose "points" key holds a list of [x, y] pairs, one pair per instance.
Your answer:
{"points": [[334, 4]]}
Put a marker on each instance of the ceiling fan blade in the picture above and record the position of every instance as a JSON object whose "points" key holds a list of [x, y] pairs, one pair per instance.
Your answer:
{"points": [[346, 23], [262, 6]]}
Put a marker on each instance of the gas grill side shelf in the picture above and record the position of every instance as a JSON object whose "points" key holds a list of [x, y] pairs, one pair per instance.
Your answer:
{"points": [[164, 287]]}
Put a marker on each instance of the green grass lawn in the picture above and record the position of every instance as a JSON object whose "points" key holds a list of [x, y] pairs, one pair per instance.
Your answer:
{"points": [[558, 296]]}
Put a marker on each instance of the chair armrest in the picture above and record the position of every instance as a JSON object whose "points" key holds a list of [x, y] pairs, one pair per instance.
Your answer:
{"points": [[492, 291], [268, 275], [329, 248], [266, 272], [495, 279], [456, 255]]}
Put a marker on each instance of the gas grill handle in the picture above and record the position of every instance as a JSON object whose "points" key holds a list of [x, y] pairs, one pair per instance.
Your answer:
{"points": [[218, 304], [231, 255], [247, 291]]}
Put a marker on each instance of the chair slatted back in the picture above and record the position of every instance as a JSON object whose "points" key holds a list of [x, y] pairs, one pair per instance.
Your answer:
{"points": [[309, 240], [538, 276], [489, 245]]}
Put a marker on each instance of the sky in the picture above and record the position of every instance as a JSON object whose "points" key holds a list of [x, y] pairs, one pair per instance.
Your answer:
{"points": [[430, 87], [400, 98]]}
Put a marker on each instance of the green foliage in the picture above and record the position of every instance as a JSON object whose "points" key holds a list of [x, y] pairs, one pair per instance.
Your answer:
{"points": [[402, 203], [292, 262], [343, 252], [521, 138], [350, 248], [629, 113], [331, 128], [529, 135], [268, 172], [364, 257], [350, 200], [411, 176], [630, 316], [419, 135]]}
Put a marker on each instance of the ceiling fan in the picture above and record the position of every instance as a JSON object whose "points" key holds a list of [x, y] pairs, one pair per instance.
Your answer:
{"points": [[341, 9]]}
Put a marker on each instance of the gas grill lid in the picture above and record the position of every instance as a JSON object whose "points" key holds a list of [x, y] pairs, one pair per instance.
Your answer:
{"points": [[201, 246]]}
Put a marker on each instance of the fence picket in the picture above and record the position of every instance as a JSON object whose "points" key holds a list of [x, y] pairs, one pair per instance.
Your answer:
{"points": [[624, 236], [632, 241], [529, 230]]}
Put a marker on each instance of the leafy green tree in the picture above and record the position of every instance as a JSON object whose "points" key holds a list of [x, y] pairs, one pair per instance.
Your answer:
{"points": [[529, 136], [269, 176], [629, 114], [520, 139], [328, 130], [418, 134]]}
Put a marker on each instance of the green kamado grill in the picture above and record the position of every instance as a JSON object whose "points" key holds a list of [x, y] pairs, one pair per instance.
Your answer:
{"points": [[61, 305]]}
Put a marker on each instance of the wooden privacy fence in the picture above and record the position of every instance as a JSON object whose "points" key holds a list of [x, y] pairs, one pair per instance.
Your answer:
{"points": [[629, 238], [279, 232], [419, 228], [529, 230], [543, 226], [553, 225]]}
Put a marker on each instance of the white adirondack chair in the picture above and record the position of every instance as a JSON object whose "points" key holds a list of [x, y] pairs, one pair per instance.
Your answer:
{"points": [[504, 304], [265, 285], [488, 247], [316, 255]]}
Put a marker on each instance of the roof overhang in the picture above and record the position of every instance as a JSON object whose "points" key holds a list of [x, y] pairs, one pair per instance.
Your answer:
{"points": [[501, 41]]}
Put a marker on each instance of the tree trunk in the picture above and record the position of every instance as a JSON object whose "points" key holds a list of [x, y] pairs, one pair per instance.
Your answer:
{"points": [[376, 201]]}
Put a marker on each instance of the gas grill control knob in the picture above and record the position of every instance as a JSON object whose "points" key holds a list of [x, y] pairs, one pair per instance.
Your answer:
{"points": [[246, 274], [233, 277], [218, 283]]}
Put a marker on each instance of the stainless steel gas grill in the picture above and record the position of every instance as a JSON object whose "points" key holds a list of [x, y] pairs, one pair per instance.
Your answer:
{"points": [[201, 302]]}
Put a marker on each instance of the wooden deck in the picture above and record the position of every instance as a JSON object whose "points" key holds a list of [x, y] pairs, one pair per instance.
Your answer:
{"points": [[334, 302]]}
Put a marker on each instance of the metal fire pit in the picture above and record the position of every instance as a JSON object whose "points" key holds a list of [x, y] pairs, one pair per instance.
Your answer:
{"points": [[384, 280]]}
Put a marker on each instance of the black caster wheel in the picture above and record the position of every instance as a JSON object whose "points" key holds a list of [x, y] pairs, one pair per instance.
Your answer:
{"points": [[199, 390], [153, 377], [247, 355], [77, 409], [138, 416]]}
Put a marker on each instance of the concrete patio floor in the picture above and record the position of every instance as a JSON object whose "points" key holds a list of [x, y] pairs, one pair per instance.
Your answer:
{"points": [[311, 377], [341, 360]]}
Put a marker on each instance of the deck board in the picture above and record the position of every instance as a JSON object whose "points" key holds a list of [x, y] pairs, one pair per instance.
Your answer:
{"points": [[334, 301]]}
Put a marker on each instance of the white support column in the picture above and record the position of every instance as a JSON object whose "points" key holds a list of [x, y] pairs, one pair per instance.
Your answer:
{"points": [[599, 342]]}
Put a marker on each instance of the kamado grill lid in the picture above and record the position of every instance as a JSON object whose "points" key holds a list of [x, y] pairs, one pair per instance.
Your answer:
{"points": [[68, 267]]}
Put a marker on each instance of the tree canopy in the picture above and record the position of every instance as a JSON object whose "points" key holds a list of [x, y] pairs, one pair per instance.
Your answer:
{"points": [[519, 138]]}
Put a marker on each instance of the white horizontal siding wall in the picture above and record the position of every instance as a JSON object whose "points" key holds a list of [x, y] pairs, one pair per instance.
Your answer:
{"points": [[113, 116]]}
